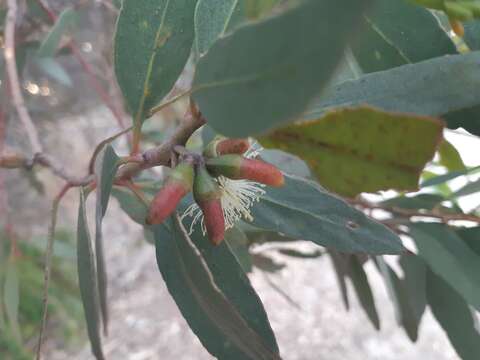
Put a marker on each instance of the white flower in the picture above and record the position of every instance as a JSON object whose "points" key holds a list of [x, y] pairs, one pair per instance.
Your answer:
{"points": [[238, 196]]}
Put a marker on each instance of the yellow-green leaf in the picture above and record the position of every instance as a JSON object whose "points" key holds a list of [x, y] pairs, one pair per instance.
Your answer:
{"points": [[362, 149], [450, 157]]}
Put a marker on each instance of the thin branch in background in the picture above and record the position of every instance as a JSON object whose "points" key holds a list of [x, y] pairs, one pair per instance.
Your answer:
{"points": [[281, 292], [48, 264], [13, 80], [445, 218]]}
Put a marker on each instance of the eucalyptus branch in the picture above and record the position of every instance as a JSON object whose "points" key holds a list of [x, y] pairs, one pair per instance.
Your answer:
{"points": [[13, 79], [408, 213], [160, 155]]}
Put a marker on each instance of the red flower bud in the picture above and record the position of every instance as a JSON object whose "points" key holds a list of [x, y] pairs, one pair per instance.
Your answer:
{"points": [[237, 167], [223, 146], [207, 194], [179, 183]]}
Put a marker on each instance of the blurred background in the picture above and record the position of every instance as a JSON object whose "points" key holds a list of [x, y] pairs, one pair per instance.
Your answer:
{"points": [[301, 296]]}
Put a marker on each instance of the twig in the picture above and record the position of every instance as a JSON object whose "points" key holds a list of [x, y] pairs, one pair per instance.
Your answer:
{"points": [[47, 161], [161, 154], [445, 218], [48, 264], [14, 82]]}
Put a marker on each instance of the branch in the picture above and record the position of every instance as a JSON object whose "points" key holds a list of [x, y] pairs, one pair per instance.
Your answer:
{"points": [[445, 218], [12, 75], [161, 154], [57, 169]]}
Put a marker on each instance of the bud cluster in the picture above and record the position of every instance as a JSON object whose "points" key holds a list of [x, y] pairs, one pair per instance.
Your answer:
{"points": [[223, 157]]}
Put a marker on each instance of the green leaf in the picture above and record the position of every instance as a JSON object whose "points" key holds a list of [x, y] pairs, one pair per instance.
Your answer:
{"points": [[420, 201], [11, 297], [50, 43], [53, 69], [362, 149], [449, 257], [237, 242], [265, 73], [405, 311], [447, 177], [87, 279], [454, 315], [286, 162], [303, 210], [471, 236], [362, 288], [446, 84], [255, 9], [300, 254], [131, 205], [468, 189], [152, 45], [414, 281], [397, 33], [450, 157], [212, 19], [340, 264], [214, 296], [105, 170], [266, 263], [472, 34]]}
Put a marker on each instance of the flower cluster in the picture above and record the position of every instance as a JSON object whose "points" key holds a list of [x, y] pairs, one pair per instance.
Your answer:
{"points": [[226, 181]]}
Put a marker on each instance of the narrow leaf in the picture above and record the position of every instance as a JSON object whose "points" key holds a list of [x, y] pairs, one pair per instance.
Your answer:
{"points": [[50, 44], [237, 243], [414, 281], [340, 264], [404, 310], [447, 177], [152, 45], [204, 296], [265, 73], [449, 257], [87, 279], [105, 170], [363, 290], [303, 210], [362, 149], [455, 317]]}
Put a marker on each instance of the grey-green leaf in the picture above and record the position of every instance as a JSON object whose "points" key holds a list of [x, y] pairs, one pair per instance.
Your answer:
{"points": [[449, 257], [398, 32], [265, 73], [455, 317], [152, 45], [212, 19], [214, 296], [50, 44], [87, 279], [301, 209], [446, 84], [362, 288], [105, 170]]}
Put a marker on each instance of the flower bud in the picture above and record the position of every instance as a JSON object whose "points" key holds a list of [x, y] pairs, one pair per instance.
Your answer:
{"points": [[223, 146], [237, 167], [179, 183], [207, 194], [12, 161]]}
